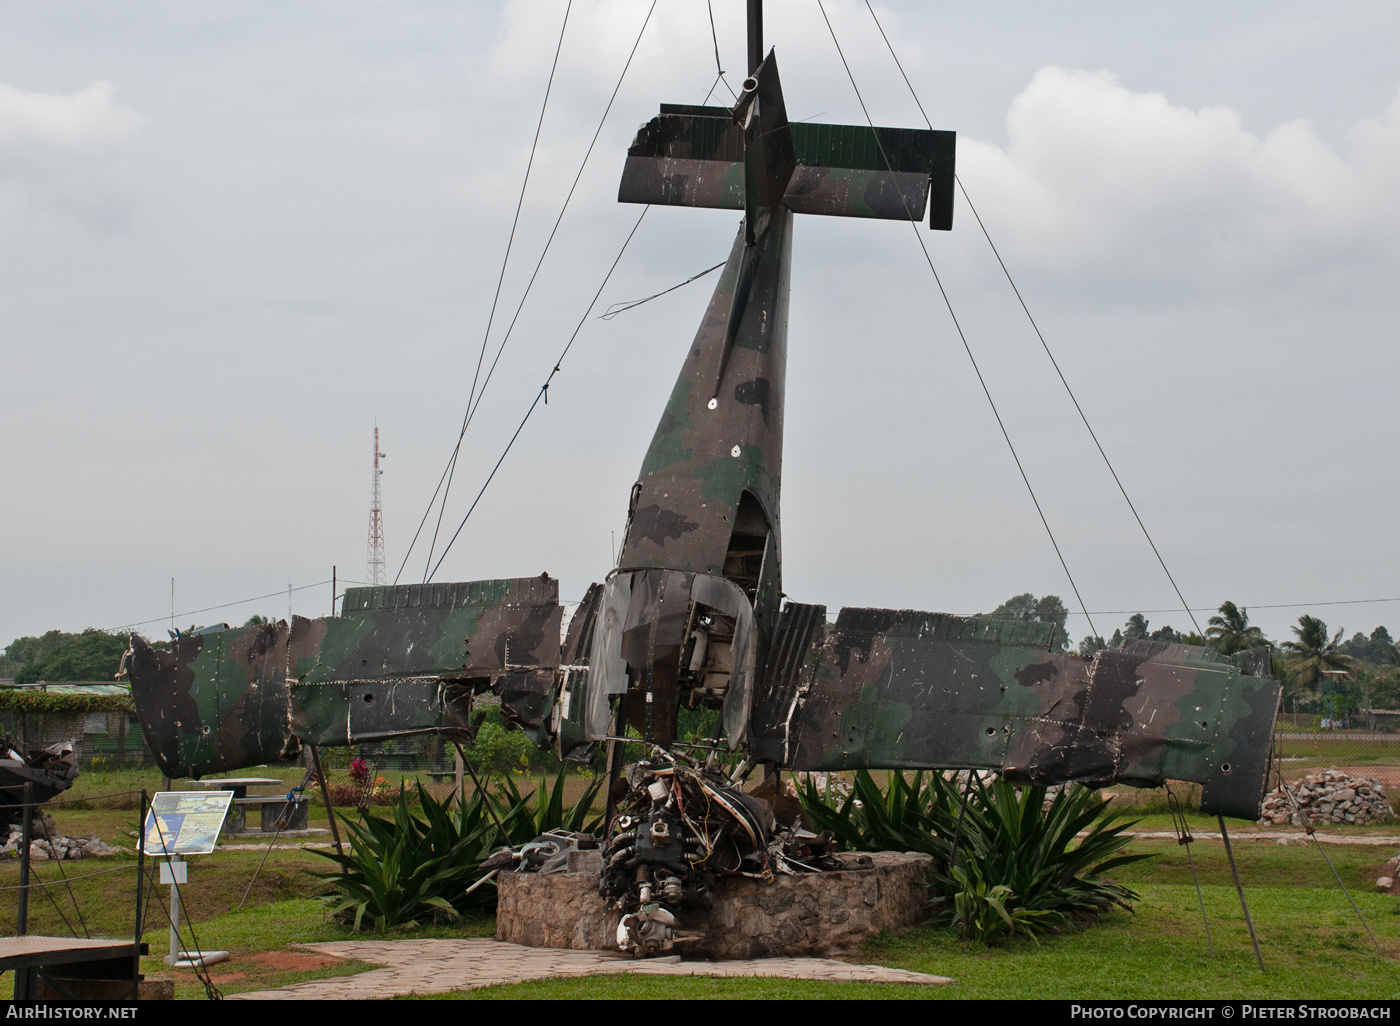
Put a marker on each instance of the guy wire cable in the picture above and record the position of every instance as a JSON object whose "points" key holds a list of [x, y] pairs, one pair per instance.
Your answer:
{"points": [[1053, 362], [471, 413], [505, 260], [624, 306], [714, 37], [543, 393], [1183, 836], [1083, 608]]}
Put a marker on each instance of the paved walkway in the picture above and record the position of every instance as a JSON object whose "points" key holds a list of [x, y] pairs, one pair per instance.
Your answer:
{"points": [[1278, 837], [437, 966]]}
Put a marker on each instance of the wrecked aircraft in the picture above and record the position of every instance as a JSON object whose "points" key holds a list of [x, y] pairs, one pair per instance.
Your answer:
{"points": [[692, 615], [48, 771]]}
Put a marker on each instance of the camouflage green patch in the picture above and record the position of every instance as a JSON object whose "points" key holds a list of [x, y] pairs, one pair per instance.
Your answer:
{"points": [[666, 447], [1006, 663], [198, 742], [724, 478], [323, 716], [871, 725]]}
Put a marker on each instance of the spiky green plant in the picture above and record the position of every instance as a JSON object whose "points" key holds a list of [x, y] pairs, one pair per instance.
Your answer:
{"points": [[526, 817], [1051, 856], [402, 870], [399, 871], [981, 913], [1010, 837], [898, 817]]}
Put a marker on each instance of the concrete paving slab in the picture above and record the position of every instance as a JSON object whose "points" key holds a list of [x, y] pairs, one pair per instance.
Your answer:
{"points": [[439, 966]]}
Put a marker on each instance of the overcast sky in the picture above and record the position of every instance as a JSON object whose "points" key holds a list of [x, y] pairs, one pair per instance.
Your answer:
{"points": [[235, 236]]}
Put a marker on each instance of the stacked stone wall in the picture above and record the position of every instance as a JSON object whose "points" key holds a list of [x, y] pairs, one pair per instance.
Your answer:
{"points": [[810, 914]]}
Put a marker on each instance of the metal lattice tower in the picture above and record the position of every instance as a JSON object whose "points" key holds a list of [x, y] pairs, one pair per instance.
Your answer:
{"points": [[374, 550]]}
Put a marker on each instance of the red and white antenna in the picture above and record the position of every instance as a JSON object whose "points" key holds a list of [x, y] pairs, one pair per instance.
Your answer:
{"points": [[374, 555]]}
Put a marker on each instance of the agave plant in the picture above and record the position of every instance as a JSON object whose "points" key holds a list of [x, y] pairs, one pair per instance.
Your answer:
{"points": [[402, 870], [1020, 865], [980, 911], [525, 818], [898, 817], [1051, 856]]}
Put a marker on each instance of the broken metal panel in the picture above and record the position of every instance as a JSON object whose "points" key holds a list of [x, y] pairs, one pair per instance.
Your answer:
{"points": [[726, 597], [475, 628], [791, 660], [653, 635], [221, 701], [607, 670], [352, 712], [568, 713], [213, 702], [901, 690], [659, 640], [48, 771]]}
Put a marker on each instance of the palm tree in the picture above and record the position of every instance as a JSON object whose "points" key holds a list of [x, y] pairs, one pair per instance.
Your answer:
{"points": [[1231, 631], [1313, 658]]}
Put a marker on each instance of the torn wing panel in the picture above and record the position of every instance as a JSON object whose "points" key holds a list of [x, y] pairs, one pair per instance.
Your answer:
{"points": [[905, 690], [398, 660], [213, 702]]}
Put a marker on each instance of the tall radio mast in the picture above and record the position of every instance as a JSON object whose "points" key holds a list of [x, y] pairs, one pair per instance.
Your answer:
{"points": [[374, 554]]}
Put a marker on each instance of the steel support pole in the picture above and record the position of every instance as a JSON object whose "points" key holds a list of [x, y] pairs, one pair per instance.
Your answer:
{"points": [[140, 893], [326, 797], [26, 836], [755, 34], [1239, 889]]}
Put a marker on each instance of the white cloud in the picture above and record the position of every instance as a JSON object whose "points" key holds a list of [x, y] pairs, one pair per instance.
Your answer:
{"points": [[1098, 177], [67, 150]]}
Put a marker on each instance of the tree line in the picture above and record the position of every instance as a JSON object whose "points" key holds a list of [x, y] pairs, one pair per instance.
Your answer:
{"points": [[1321, 673]]}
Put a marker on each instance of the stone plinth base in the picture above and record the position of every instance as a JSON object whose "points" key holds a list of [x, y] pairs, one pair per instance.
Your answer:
{"points": [[811, 914]]}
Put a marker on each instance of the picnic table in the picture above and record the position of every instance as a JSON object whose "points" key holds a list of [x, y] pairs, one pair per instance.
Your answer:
{"points": [[268, 807], [32, 957]]}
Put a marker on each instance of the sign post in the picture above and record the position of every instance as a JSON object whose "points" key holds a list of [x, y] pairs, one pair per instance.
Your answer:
{"points": [[181, 823]]}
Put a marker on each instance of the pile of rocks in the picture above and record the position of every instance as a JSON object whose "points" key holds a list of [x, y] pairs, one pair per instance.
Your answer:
{"points": [[1386, 881], [48, 844], [1327, 796]]}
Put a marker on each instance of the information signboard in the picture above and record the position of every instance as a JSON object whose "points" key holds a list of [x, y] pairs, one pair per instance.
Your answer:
{"points": [[185, 822]]}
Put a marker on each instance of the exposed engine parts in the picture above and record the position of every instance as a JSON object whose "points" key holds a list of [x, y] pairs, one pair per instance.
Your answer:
{"points": [[547, 853], [680, 826]]}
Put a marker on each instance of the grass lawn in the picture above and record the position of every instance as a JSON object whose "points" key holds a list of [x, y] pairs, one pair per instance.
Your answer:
{"points": [[1312, 943], [1313, 948]]}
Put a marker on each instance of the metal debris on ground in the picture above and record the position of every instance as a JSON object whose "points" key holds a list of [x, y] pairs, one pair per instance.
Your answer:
{"points": [[50, 770], [681, 825]]}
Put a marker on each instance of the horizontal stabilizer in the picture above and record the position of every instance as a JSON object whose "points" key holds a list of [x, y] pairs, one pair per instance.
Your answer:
{"points": [[694, 156]]}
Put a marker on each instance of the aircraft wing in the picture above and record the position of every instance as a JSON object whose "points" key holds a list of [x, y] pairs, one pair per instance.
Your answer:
{"points": [[398, 660], [900, 689]]}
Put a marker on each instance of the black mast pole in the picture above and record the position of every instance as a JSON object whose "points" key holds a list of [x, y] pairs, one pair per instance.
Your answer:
{"points": [[755, 34]]}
